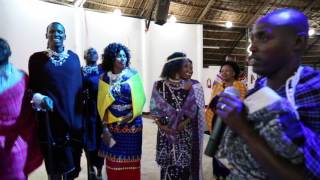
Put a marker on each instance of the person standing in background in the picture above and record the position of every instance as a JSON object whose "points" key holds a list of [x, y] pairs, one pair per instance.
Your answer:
{"points": [[92, 122], [229, 74]]}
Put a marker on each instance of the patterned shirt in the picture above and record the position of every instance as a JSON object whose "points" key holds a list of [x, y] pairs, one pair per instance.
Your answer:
{"points": [[306, 132]]}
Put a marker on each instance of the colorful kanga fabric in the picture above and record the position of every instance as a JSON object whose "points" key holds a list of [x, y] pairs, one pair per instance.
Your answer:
{"points": [[122, 99]]}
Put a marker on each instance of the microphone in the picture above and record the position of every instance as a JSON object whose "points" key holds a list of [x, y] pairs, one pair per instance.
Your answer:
{"points": [[218, 128]]}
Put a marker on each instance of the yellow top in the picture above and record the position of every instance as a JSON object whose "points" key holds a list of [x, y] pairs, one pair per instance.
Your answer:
{"points": [[105, 99], [217, 89]]}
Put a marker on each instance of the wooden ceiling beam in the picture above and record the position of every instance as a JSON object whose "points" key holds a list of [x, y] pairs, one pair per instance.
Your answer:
{"points": [[223, 54], [140, 4], [311, 56], [128, 3], [222, 47], [212, 59], [221, 31], [309, 6], [257, 14], [221, 39], [208, 26], [147, 7], [112, 6], [309, 48], [59, 3], [230, 11], [223, 43], [311, 60], [305, 11], [221, 24], [119, 3], [188, 18], [254, 17], [184, 4], [221, 61], [315, 51], [205, 10], [208, 61], [148, 19], [315, 59]]}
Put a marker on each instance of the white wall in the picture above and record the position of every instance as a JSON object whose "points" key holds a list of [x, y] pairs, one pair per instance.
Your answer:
{"points": [[162, 41], [102, 29], [24, 25], [24, 22], [252, 77], [209, 73]]}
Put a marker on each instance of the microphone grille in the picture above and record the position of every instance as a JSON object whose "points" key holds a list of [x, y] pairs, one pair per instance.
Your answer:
{"points": [[232, 91]]}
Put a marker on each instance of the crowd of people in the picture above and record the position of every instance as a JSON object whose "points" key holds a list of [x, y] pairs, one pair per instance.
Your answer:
{"points": [[61, 109]]}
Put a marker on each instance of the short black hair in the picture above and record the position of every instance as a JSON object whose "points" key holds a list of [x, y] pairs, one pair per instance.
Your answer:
{"points": [[234, 66], [170, 69], [85, 54], [55, 23], [6, 45], [110, 53]]}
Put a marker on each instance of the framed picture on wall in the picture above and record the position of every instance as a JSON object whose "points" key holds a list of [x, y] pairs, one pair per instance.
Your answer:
{"points": [[209, 83]]}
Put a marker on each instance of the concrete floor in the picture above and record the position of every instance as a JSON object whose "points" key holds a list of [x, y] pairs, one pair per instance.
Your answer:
{"points": [[149, 171]]}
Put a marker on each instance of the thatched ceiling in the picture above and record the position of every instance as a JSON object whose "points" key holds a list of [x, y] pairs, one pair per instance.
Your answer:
{"points": [[218, 41]]}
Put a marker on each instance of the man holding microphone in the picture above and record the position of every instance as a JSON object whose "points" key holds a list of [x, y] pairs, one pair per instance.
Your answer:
{"points": [[280, 140]]}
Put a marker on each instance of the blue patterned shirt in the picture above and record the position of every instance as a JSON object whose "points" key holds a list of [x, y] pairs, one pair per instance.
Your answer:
{"points": [[306, 132]]}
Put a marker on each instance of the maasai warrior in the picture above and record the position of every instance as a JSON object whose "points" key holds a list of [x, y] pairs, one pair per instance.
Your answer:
{"points": [[55, 79], [120, 103], [175, 108], [19, 148], [92, 122], [278, 137]]}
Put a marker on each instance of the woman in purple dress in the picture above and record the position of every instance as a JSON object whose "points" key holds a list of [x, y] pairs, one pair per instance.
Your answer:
{"points": [[174, 107]]}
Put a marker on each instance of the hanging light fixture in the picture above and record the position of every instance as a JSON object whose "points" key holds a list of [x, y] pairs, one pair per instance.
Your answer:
{"points": [[117, 12], [229, 24], [172, 18], [311, 32]]}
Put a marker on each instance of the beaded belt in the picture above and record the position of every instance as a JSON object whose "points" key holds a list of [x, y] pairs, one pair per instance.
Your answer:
{"points": [[121, 107]]}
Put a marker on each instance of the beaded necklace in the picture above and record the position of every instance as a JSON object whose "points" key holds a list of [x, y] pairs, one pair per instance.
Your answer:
{"points": [[174, 97], [57, 59], [90, 69]]}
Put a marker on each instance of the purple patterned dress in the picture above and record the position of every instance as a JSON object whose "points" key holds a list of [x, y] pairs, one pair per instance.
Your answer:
{"points": [[178, 140]]}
